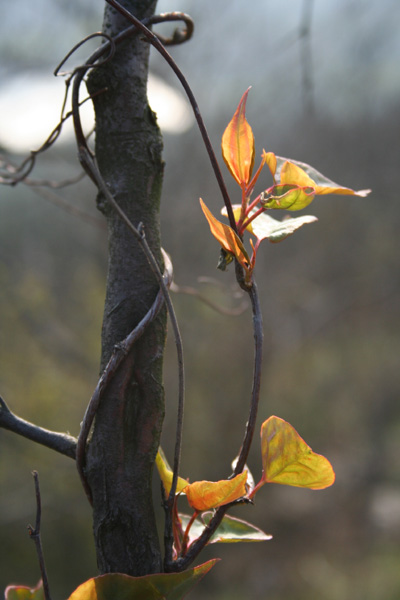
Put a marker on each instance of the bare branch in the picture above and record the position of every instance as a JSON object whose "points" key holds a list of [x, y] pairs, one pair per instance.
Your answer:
{"points": [[61, 442]]}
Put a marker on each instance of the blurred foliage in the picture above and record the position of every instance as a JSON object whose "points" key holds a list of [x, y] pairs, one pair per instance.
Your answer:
{"points": [[330, 298]]}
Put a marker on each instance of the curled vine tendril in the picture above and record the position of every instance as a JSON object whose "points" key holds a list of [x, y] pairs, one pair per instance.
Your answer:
{"points": [[12, 175]]}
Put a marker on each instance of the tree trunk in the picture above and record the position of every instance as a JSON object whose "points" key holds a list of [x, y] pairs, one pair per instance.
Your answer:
{"points": [[127, 427]]}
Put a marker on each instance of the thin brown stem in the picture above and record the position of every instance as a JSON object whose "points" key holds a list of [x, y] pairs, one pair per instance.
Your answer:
{"points": [[183, 563], [154, 41], [255, 394], [34, 534]]}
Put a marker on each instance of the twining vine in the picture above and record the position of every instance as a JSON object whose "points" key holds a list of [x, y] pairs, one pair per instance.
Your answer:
{"points": [[286, 458]]}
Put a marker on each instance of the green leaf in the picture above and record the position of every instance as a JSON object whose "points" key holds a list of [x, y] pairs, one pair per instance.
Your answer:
{"points": [[162, 586], [287, 459], [230, 530], [265, 227], [288, 197], [20, 592]]}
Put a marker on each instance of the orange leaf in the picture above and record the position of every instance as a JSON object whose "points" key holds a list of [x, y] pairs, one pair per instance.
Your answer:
{"points": [[203, 495], [238, 145], [287, 459], [228, 239]]}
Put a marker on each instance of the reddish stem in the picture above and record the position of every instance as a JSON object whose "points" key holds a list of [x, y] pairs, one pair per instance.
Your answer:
{"points": [[256, 175], [250, 219], [186, 534], [256, 488]]}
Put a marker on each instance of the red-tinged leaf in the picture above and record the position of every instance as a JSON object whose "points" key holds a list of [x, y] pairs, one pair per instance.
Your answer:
{"points": [[162, 586], [265, 227], [166, 474], [320, 182], [20, 592], [288, 197], [230, 530], [203, 495], [287, 459], [238, 145], [228, 239]]}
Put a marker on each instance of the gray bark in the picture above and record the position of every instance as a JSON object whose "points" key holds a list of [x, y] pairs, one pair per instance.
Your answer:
{"points": [[127, 427]]}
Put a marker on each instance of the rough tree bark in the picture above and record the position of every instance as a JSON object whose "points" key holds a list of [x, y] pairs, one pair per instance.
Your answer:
{"points": [[127, 427]]}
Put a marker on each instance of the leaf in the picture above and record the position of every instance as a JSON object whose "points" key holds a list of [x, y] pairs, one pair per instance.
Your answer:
{"points": [[287, 459], [270, 159], [20, 592], [265, 227], [203, 495], [166, 474], [288, 197], [322, 184], [230, 530], [250, 479], [162, 586], [238, 145], [228, 239]]}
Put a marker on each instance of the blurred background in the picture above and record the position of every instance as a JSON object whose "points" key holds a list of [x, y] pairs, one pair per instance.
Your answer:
{"points": [[325, 80]]}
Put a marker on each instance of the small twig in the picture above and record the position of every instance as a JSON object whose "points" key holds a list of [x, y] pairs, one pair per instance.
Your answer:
{"points": [[61, 442], [34, 534]]}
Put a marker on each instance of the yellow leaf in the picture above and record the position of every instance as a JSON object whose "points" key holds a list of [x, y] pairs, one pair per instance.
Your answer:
{"points": [[291, 174], [228, 239], [166, 473], [204, 495], [303, 175], [238, 145], [270, 159], [287, 459], [345, 191]]}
